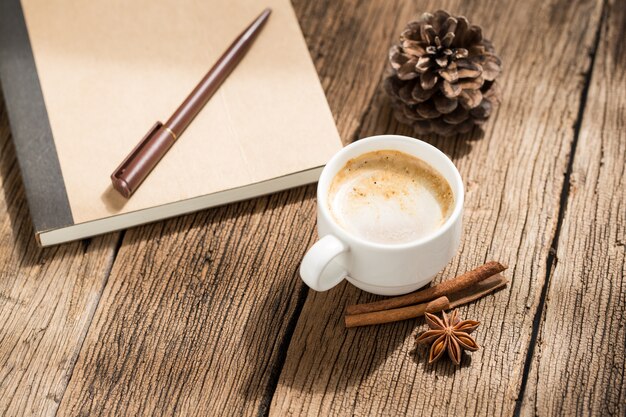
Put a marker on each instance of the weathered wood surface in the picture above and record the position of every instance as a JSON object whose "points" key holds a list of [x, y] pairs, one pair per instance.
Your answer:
{"points": [[195, 313], [514, 177], [206, 315], [47, 299], [579, 363]]}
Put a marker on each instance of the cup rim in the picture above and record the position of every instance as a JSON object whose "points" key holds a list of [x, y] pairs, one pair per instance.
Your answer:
{"points": [[322, 194]]}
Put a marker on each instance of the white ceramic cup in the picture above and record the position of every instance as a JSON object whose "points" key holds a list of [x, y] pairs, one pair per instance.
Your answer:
{"points": [[386, 269]]}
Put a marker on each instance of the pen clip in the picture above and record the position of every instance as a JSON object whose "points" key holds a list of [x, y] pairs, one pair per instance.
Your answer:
{"points": [[131, 156]]}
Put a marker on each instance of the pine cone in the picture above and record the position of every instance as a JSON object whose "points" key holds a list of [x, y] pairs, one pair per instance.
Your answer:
{"points": [[442, 77]]}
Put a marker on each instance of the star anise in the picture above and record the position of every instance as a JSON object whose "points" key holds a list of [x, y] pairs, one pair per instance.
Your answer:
{"points": [[450, 334]]}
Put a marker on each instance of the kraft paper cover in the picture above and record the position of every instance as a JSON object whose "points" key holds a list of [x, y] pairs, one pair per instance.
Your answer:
{"points": [[110, 68]]}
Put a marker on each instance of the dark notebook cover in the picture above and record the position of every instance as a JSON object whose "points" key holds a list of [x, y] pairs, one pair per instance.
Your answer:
{"points": [[32, 136]]}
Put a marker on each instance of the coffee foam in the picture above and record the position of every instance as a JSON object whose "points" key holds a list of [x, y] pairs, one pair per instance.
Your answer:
{"points": [[389, 197]]}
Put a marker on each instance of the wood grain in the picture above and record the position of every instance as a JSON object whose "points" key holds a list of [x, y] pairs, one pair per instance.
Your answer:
{"points": [[194, 314], [198, 311], [514, 177], [206, 315], [47, 299], [579, 366]]}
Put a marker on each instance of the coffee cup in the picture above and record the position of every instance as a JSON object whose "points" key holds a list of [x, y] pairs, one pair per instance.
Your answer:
{"points": [[388, 227]]}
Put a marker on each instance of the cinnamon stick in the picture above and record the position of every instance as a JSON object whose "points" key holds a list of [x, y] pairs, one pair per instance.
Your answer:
{"points": [[389, 316], [447, 287], [456, 299], [477, 291]]}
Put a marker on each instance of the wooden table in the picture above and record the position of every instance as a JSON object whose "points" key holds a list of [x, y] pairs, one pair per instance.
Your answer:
{"points": [[206, 315]]}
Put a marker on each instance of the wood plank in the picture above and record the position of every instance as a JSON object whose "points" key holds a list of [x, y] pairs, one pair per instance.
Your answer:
{"points": [[513, 177], [47, 299], [579, 366], [198, 310], [193, 315]]}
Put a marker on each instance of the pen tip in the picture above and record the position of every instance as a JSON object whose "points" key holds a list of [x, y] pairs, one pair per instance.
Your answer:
{"points": [[265, 14]]}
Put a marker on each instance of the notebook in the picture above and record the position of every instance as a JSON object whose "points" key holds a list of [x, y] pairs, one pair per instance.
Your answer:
{"points": [[84, 81]]}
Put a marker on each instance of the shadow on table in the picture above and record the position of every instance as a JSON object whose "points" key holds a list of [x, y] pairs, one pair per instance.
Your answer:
{"points": [[319, 355], [379, 120]]}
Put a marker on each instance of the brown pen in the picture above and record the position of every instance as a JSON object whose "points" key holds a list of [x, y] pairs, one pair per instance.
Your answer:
{"points": [[160, 138]]}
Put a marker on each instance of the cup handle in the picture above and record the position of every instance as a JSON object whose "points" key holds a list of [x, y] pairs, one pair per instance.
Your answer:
{"points": [[314, 269]]}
